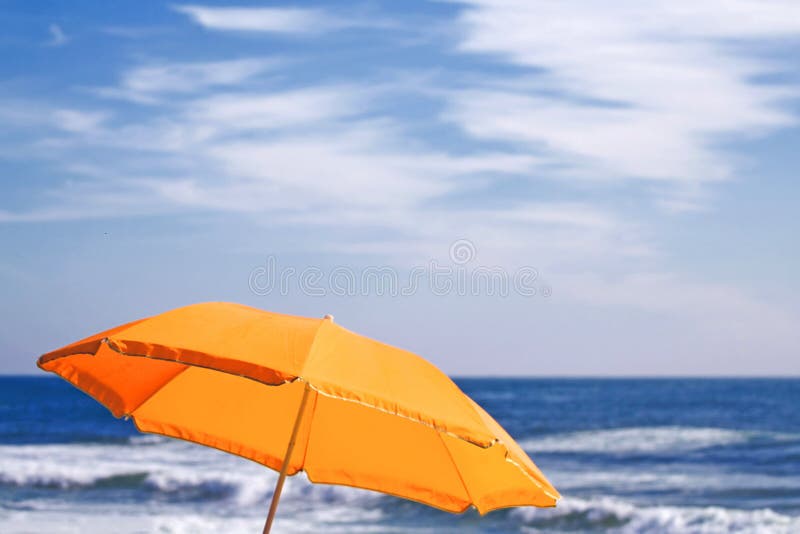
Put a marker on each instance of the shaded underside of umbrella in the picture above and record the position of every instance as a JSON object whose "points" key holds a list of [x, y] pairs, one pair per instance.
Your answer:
{"points": [[302, 394]]}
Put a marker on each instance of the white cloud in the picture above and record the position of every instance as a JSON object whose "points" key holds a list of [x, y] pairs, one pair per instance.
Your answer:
{"points": [[632, 89], [77, 121], [563, 213], [57, 36], [189, 77], [628, 90], [262, 19], [150, 83], [280, 109], [287, 150]]}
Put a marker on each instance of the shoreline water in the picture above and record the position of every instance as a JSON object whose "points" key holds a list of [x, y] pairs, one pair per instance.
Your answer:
{"points": [[629, 455]]}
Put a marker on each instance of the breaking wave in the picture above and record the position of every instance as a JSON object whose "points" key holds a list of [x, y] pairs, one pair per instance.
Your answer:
{"points": [[645, 440], [616, 516], [175, 469], [179, 473]]}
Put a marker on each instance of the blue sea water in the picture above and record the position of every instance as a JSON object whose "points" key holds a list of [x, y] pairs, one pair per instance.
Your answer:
{"points": [[638, 455]]}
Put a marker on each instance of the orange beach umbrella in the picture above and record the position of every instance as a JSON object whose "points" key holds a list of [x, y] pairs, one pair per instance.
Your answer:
{"points": [[301, 394]]}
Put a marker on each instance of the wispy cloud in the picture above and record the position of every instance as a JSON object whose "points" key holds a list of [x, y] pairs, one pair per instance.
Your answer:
{"points": [[544, 132], [297, 150], [76, 121], [294, 109], [148, 83], [630, 90], [263, 19], [613, 101], [57, 36]]}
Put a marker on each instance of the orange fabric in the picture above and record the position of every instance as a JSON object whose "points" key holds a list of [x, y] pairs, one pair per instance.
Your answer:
{"points": [[231, 377]]}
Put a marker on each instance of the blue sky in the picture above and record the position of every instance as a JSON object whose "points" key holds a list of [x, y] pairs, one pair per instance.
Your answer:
{"points": [[641, 156]]}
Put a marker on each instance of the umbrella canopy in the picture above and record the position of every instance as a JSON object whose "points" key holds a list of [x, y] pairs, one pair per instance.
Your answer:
{"points": [[303, 394]]}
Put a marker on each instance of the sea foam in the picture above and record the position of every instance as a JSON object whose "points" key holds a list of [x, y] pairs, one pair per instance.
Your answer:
{"points": [[616, 516], [642, 440]]}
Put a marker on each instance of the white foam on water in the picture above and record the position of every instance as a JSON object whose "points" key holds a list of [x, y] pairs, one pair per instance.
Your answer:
{"points": [[172, 465], [172, 522], [637, 440], [124, 517], [671, 478], [85, 464], [165, 466], [621, 517], [608, 515]]}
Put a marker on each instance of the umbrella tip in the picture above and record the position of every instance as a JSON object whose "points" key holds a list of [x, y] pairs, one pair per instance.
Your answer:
{"points": [[329, 317]]}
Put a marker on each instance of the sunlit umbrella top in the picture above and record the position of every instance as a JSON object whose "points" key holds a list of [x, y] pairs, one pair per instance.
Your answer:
{"points": [[370, 415]]}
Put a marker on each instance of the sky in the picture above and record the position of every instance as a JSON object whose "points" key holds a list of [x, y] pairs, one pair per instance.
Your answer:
{"points": [[509, 187]]}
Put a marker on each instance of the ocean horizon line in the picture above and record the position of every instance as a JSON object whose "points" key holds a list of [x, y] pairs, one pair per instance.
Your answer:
{"points": [[539, 377]]}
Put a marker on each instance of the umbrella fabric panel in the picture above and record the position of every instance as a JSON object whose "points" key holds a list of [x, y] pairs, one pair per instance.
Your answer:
{"points": [[517, 455], [88, 345], [237, 339], [350, 366], [494, 480], [354, 445], [377, 417], [228, 412], [339, 441], [274, 348], [120, 383]]}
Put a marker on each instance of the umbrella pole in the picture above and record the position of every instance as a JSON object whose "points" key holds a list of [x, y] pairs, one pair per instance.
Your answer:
{"points": [[276, 495]]}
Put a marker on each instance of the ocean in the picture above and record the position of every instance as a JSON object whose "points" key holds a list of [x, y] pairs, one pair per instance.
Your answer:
{"points": [[628, 455]]}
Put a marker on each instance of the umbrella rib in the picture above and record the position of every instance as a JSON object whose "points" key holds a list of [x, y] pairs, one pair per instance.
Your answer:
{"points": [[116, 349], [458, 472], [273, 350], [483, 445], [156, 390], [525, 472], [417, 420]]}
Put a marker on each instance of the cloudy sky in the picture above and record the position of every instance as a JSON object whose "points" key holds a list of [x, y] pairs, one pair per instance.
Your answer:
{"points": [[639, 158]]}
